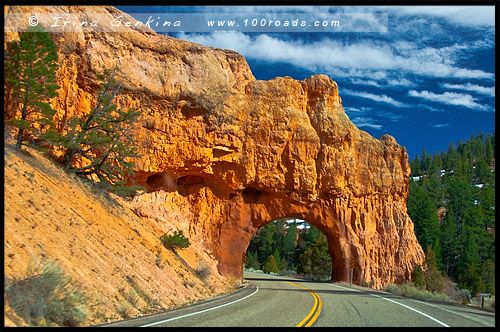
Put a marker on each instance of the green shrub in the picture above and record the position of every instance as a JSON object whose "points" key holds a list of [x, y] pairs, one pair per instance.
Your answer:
{"points": [[391, 288], [316, 262], [252, 261], [432, 276], [417, 277], [203, 271], [408, 289], [125, 310], [270, 265], [132, 297], [175, 241], [46, 297]]}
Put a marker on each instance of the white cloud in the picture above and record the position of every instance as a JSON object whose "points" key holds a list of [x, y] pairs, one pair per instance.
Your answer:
{"points": [[462, 15], [357, 110], [365, 82], [390, 116], [365, 122], [372, 59], [489, 91], [400, 82], [379, 98], [430, 108], [383, 81], [449, 98], [441, 125]]}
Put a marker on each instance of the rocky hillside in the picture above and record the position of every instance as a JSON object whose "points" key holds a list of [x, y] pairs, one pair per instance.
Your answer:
{"points": [[98, 240]]}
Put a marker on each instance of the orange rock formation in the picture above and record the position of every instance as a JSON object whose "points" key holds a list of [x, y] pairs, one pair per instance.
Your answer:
{"points": [[230, 153]]}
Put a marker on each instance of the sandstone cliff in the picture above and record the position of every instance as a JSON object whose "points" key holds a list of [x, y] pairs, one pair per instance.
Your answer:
{"points": [[231, 153]]}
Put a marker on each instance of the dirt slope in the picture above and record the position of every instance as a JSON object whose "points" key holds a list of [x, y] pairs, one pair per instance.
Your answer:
{"points": [[115, 255]]}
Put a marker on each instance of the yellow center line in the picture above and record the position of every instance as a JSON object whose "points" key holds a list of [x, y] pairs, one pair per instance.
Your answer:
{"points": [[311, 322], [318, 304]]}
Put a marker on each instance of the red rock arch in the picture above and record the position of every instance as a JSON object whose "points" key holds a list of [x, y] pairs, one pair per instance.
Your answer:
{"points": [[374, 260], [241, 152], [291, 152]]}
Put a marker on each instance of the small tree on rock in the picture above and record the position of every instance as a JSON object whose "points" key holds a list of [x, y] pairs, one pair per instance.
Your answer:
{"points": [[103, 137], [30, 81], [175, 241]]}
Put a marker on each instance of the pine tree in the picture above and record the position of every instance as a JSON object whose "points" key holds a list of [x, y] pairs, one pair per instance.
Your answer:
{"points": [[278, 236], [316, 260], [422, 211], [252, 261], [466, 234], [488, 276], [417, 277], [305, 262], [436, 247], [489, 150], [103, 137], [424, 162], [311, 235], [486, 196], [30, 81], [265, 241], [459, 196], [289, 244], [433, 278], [270, 265], [471, 249], [450, 251], [321, 260], [471, 279], [482, 172], [415, 166], [175, 241], [432, 186], [277, 257], [452, 160]]}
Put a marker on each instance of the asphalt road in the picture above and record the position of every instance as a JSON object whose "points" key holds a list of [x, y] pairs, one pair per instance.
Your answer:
{"points": [[275, 301]]}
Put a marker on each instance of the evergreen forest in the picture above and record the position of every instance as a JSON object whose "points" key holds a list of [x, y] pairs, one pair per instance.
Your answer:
{"points": [[452, 204], [282, 247]]}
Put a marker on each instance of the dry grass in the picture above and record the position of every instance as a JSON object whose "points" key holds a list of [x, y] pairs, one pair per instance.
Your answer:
{"points": [[97, 239], [408, 289], [46, 296]]}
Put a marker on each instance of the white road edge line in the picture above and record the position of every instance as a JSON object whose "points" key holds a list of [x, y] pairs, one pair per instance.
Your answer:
{"points": [[453, 312], [403, 305], [419, 312], [202, 311]]}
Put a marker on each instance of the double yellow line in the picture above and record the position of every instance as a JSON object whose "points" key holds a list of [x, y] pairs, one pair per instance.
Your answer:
{"points": [[314, 313]]}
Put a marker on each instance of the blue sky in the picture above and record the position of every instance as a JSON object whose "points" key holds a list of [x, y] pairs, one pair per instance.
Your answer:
{"points": [[427, 77]]}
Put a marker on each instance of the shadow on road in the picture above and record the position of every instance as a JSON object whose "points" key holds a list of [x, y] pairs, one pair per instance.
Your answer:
{"points": [[289, 279]]}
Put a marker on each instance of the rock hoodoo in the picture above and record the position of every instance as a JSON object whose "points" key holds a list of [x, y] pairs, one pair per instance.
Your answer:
{"points": [[229, 153]]}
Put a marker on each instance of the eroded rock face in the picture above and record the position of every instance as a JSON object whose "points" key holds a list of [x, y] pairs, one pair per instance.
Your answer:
{"points": [[235, 153]]}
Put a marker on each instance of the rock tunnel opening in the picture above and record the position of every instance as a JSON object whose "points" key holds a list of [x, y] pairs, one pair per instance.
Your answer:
{"points": [[290, 246], [190, 184], [237, 215], [253, 195], [160, 181]]}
